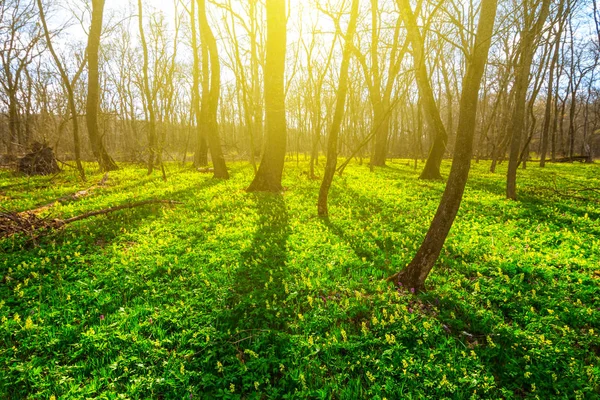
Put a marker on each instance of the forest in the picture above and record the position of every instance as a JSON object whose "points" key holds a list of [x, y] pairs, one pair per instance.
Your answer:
{"points": [[281, 199]]}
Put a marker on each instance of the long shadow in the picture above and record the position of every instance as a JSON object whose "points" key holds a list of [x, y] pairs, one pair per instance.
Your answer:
{"points": [[380, 252], [262, 268]]}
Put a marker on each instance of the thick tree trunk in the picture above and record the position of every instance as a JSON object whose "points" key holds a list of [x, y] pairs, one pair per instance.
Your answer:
{"points": [[332, 144], [269, 174], [105, 161], [415, 274]]}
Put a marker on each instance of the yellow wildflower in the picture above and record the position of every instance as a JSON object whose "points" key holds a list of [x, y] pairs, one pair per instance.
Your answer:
{"points": [[370, 376]]}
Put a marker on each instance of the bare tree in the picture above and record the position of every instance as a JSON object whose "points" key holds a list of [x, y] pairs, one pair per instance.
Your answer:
{"points": [[415, 274], [211, 92], [20, 36], [332, 144], [105, 161], [69, 88], [533, 23]]}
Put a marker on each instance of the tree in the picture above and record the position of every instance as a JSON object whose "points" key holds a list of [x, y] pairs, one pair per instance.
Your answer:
{"points": [[380, 93], [104, 160], [69, 88], [432, 167], [210, 94], [152, 137], [20, 36], [549, 97], [332, 144], [270, 171], [532, 27], [415, 274], [201, 153]]}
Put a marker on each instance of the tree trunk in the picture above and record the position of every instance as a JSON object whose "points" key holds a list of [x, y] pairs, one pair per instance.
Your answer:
{"points": [[381, 137], [527, 50], [105, 161], [415, 274], [332, 144], [201, 153], [548, 110], [212, 134], [152, 137], [269, 174], [432, 166], [70, 94], [13, 122]]}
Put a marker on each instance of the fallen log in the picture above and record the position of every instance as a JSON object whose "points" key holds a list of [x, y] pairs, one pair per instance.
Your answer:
{"points": [[117, 208], [585, 159], [70, 197], [30, 224]]}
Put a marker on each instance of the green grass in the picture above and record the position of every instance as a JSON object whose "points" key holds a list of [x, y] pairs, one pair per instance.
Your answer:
{"points": [[252, 296]]}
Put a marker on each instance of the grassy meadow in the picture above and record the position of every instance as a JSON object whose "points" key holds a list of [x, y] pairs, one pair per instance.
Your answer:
{"points": [[231, 295]]}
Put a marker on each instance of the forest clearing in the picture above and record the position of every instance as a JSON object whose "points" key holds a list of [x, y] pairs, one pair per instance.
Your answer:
{"points": [[299, 199], [239, 295]]}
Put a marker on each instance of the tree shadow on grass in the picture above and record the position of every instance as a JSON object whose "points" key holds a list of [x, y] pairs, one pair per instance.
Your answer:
{"points": [[262, 268], [380, 251]]}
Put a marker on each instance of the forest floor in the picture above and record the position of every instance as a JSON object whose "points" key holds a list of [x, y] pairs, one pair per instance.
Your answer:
{"points": [[252, 296]]}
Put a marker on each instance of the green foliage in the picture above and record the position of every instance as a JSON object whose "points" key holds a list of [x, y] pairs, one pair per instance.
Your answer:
{"points": [[234, 295]]}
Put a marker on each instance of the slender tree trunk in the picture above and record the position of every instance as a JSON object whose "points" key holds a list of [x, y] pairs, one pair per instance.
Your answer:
{"points": [[201, 153], [381, 137], [105, 161], [214, 142], [572, 107], [13, 122], [415, 274], [434, 161], [70, 94], [527, 50], [332, 144], [152, 137], [269, 174], [549, 98]]}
